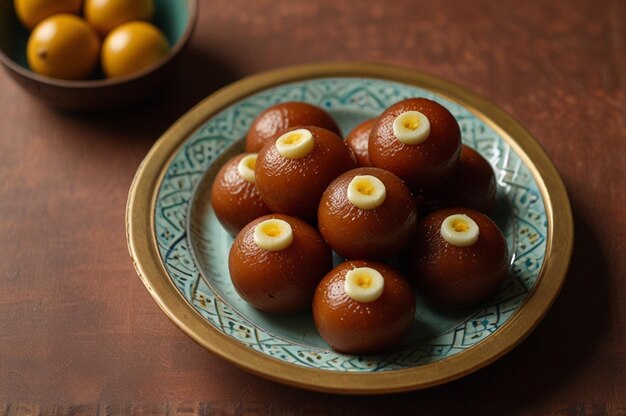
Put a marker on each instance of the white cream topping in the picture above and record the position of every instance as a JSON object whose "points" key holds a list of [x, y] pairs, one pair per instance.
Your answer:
{"points": [[364, 284], [411, 127], [295, 144], [459, 230], [366, 192], [246, 167], [273, 235]]}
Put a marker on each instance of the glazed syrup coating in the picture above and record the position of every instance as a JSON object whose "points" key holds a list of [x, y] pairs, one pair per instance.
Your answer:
{"points": [[236, 201], [353, 327], [423, 166], [273, 121], [457, 276], [279, 281], [473, 185], [376, 234], [295, 186], [358, 140]]}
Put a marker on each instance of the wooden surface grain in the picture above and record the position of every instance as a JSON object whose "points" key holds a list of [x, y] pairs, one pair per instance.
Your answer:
{"points": [[79, 334]]}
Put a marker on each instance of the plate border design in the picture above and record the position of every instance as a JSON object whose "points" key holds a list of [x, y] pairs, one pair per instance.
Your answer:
{"points": [[142, 241]]}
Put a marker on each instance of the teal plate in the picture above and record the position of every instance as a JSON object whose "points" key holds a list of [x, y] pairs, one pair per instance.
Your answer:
{"points": [[193, 247]]}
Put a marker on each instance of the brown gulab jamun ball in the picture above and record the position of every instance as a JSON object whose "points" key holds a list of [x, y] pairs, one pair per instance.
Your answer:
{"points": [[358, 140], [274, 120], [293, 172], [472, 185], [367, 213], [458, 257], [417, 139], [234, 196], [363, 307], [277, 261]]}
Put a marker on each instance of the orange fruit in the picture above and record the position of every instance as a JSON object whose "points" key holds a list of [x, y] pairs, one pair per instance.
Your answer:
{"points": [[31, 12], [106, 15], [63, 46], [132, 47]]}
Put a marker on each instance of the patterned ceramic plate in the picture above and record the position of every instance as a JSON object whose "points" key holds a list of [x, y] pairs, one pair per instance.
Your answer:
{"points": [[180, 250]]}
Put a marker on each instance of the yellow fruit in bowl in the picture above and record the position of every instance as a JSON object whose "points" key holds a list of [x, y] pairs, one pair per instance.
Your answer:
{"points": [[106, 15], [31, 12], [63, 46], [132, 47]]}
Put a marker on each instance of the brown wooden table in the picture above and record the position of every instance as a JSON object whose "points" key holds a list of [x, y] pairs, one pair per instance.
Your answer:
{"points": [[79, 333]]}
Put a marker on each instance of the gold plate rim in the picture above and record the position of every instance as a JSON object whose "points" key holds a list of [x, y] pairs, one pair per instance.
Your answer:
{"points": [[142, 242]]}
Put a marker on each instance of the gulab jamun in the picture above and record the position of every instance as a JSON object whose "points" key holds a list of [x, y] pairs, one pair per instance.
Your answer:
{"points": [[472, 185], [274, 120], [234, 195], [358, 140], [276, 263], [458, 257], [363, 307], [293, 172], [417, 139], [367, 213]]}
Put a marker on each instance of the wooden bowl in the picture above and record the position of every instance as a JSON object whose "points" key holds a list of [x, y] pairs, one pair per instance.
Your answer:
{"points": [[175, 18]]}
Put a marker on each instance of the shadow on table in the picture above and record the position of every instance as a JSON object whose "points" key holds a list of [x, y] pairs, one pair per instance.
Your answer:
{"points": [[197, 76]]}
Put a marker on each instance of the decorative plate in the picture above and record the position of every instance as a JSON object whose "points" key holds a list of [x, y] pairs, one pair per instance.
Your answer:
{"points": [[180, 250]]}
